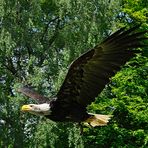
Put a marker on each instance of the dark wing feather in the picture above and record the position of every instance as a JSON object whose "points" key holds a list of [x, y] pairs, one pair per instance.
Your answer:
{"points": [[88, 75], [29, 92]]}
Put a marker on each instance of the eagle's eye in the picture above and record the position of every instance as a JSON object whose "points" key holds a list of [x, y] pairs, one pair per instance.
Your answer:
{"points": [[31, 105]]}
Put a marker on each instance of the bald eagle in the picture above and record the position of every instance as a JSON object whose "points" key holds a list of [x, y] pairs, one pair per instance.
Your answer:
{"points": [[86, 78]]}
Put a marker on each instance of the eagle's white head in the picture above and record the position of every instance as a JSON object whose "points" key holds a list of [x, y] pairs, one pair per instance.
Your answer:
{"points": [[37, 109]]}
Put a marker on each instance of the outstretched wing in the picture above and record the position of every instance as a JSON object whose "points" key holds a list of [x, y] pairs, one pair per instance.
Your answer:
{"points": [[29, 92], [88, 75]]}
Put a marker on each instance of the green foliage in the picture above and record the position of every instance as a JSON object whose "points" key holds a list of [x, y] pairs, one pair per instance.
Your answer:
{"points": [[137, 10], [58, 135], [38, 40]]}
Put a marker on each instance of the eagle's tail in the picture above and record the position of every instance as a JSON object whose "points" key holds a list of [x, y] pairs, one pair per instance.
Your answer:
{"points": [[97, 120]]}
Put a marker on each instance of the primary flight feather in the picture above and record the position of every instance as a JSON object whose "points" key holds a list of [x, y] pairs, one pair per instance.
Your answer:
{"points": [[86, 78]]}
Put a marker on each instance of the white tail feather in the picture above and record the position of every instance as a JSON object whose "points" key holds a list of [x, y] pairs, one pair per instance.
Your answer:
{"points": [[97, 120]]}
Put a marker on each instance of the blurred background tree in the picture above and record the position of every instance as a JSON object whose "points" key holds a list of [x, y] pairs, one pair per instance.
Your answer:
{"points": [[38, 41]]}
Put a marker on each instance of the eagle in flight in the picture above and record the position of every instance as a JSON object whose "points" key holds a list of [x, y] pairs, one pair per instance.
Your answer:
{"points": [[86, 78]]}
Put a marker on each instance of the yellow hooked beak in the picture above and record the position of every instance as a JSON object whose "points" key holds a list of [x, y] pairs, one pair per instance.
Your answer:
{"points": [[26, 108]]}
